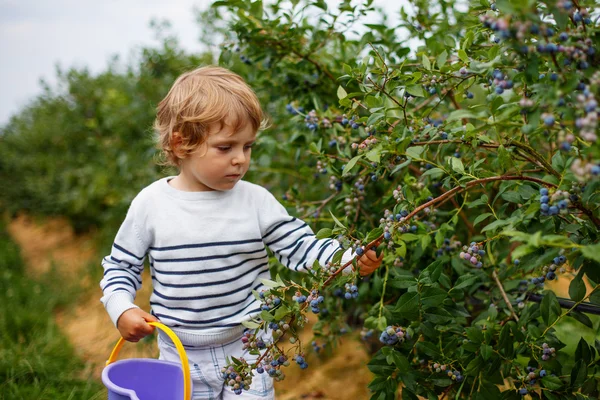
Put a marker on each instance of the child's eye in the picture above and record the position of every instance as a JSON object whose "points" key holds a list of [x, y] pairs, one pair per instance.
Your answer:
{"points": [[224, 148], [248, 146]]}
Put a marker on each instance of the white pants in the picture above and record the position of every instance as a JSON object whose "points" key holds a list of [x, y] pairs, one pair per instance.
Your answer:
{"points": [[205, 369]]}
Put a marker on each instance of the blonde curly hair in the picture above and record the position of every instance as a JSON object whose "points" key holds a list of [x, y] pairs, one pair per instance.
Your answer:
{"points": [[197, 100]]}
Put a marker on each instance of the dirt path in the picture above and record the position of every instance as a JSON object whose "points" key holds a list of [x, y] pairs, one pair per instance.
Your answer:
{"points": [[52, 243]]}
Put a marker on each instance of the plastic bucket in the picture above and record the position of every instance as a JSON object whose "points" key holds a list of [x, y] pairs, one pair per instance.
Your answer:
{"points": [[145, 378]]}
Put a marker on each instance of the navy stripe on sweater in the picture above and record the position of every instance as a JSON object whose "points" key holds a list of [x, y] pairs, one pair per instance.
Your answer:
{"points": [[208, 296], [213, 283], [199, 310], [207, 321], [187, 259], [210, 244], [278, 226], [129, 253], [287, 234], [206, 271]]}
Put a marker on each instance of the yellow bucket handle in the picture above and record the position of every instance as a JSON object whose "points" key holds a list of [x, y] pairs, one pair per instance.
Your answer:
{"points": [[182, 355]]}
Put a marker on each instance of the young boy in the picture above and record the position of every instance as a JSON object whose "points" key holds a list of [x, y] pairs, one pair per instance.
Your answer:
{"points": [[205, 233]]}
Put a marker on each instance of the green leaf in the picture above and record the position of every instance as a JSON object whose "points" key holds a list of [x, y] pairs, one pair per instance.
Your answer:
{"points": [[426, 63], [415, 90], [549, 308], [351, 165], [592, 252], [341, 93], [486, 351], [435, 173], [374, 155], [251, 324], [552, 382], [578, 373], [281, 312], [465, 281], [270, 283], [323, 233], [481, 217], [337, 221], [408, 305], [432, 296], [414, 152], [457, 165], [441, 59], [463, 56], [581, 317], [577, 288]]}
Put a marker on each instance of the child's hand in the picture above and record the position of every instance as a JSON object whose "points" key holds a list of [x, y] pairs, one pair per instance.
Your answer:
{"points": [[369, 262], [133, 324]]}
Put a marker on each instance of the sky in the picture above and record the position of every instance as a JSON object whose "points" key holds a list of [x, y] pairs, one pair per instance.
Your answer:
{"points": [[38, 35]]}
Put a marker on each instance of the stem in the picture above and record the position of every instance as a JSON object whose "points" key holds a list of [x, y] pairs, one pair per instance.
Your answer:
{"points": [[570, 309], [504, 296], [387, 270]]}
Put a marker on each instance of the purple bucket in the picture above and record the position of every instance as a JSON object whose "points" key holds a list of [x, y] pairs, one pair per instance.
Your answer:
{"points": [[147, 378], [143, 379]]}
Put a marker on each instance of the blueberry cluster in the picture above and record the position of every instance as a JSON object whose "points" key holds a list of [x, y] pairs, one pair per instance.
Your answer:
{"points": [[335, 183], [585, 170], [588, 123], [473, 254], [398, 195], [315, 300], [365, 144], [533, 375], [252, 342], [547, 352], [312, 120], [293, 110], [548, 272], [501, 81], [555, 203], [268, 300], [366, 334], [299, 297], [448, 247], [394, 334], [356, 196], [351, 291], [399, 262], [301, 361], [320, 169], [234, 380], [316, 347], [278, 328], [272, 364]]}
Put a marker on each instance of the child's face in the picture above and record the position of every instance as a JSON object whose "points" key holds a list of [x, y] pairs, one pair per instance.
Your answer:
{"points": [[221, 161]]}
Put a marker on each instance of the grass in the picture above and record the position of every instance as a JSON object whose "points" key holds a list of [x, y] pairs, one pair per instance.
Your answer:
{"points": [[36, 359]]}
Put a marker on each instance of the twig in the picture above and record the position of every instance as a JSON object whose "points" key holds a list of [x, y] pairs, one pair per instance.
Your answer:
{"points": [[504, 296]]}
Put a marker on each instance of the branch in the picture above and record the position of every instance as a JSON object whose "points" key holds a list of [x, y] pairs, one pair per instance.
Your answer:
{"points": [[504, 296], [447, 195]]}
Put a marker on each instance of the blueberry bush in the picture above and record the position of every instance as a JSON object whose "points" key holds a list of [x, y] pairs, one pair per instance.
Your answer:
{"points": [[469, 158]]}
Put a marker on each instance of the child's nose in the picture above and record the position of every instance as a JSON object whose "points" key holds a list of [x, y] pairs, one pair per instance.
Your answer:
{"points": [[239, 158]]}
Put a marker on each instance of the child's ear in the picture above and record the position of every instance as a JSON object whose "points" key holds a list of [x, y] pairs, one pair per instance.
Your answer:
{"points": [[176, 145]]}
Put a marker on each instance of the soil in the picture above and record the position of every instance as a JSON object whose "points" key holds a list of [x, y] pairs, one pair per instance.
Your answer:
{"points": [[51, 243]]}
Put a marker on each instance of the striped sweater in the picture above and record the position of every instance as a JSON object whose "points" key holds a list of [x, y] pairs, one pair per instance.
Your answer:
{"points": [[207, 252]]}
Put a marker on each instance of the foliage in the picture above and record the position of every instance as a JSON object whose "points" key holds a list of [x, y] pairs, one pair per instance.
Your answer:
{"points": [[36, 360], [471, 162], [84, 149]]}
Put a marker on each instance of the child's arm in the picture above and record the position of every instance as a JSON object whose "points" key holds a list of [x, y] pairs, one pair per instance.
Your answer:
{"points": [[295, 244], [123, 277]]}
